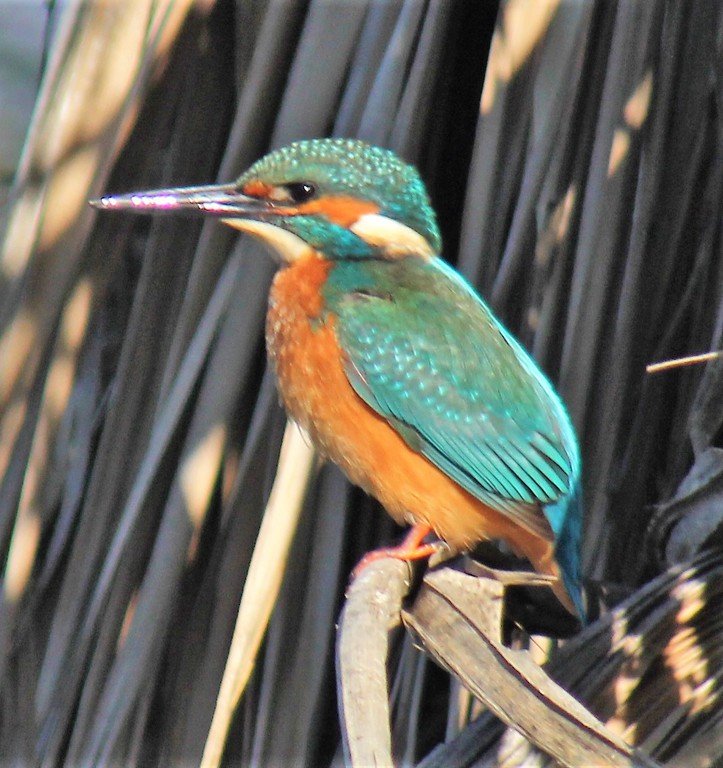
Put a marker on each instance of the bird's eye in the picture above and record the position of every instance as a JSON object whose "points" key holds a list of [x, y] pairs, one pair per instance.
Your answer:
{"points": [[301, 191]]}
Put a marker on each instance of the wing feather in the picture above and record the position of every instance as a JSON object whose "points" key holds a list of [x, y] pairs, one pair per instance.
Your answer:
{"points": [[430, 357]]}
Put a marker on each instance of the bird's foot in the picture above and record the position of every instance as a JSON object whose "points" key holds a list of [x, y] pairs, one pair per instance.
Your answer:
{"points": [[412, 547]]}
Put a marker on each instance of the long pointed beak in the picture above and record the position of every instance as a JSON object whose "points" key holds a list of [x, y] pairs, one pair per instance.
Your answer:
{"points": [[221, 200]]}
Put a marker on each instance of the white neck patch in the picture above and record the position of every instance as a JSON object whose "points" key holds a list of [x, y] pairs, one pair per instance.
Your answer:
{"points": [[395, 239]]}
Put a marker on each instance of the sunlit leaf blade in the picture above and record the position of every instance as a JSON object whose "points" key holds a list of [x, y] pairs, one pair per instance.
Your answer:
{"points": [[573, 153]]}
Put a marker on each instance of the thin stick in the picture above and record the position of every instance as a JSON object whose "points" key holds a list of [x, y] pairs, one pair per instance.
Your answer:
{"points": [[681, 361], [266, 570]]}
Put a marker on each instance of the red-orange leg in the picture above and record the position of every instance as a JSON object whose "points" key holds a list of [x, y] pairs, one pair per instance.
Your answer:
{"points": [[411, 548]]}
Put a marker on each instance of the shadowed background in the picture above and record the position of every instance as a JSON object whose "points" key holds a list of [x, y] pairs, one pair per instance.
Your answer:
{"points": [[573, 152]]}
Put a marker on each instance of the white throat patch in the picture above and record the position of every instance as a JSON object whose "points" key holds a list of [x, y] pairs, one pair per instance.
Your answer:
{"points": [[288, 246]]}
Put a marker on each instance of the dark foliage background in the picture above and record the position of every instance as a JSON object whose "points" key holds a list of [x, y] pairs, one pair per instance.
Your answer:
{"points": [[573, 151]]}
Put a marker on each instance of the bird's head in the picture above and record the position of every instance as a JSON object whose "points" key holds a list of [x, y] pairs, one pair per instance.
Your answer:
{"points": [[340, 197]]}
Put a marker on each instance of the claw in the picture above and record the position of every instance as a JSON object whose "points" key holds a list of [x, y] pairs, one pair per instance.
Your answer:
{"points": [[411, 548]]}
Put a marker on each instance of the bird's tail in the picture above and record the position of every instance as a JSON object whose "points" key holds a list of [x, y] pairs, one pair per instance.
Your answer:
{"points": [[567, 549], [559, 560]]}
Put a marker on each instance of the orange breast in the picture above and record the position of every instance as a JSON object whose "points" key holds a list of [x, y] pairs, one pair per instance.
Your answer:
{"points": [[303, 347]]}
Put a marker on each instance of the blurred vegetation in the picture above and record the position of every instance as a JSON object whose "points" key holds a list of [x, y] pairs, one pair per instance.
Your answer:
{"points": [[22, 31], [573, 151]]}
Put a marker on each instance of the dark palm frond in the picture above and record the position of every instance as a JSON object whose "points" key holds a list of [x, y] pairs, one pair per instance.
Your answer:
{"points": [[578, 175]]}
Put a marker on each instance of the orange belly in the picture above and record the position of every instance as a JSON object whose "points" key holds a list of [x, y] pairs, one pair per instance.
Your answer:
{"points": [[317, 395]]}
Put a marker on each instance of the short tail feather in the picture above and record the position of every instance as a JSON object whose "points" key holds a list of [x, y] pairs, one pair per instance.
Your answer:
{"points": [[567, 551]]}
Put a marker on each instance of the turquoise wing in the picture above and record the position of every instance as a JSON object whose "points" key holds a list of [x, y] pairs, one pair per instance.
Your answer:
{"points": [[423, 350]]}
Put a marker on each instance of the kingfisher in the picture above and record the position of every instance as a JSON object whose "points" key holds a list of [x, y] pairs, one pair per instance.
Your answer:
{"points": [[391, 362]]}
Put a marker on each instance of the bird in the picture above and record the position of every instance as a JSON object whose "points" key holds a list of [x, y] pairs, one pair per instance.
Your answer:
{"points": [[392, 363]]}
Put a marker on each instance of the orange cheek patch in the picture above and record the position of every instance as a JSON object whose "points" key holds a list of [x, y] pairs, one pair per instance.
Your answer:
{"points": [[257, 188], [340, 210]]}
